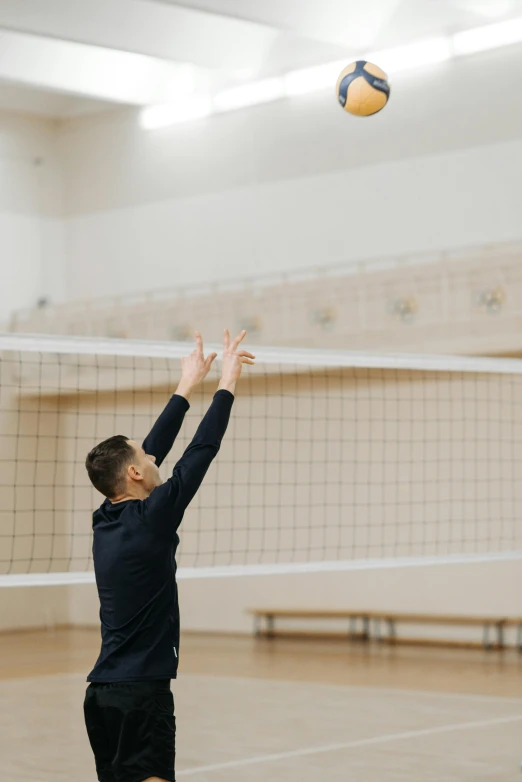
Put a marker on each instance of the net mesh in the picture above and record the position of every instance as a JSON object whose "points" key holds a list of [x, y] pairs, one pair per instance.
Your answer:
{"points": [[321, 463]]}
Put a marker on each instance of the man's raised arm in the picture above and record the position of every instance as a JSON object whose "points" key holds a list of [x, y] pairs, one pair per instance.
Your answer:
{"points": [[168, 502], [161, 437]]}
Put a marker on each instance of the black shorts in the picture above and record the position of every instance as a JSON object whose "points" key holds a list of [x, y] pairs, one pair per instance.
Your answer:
{"points": [[132, 730]]}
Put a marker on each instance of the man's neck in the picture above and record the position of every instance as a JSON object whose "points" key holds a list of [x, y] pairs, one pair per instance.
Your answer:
{"points": [[136, 494]]}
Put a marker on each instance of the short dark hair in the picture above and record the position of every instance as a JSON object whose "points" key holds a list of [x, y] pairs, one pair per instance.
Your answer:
{"points": [[106, 465]]}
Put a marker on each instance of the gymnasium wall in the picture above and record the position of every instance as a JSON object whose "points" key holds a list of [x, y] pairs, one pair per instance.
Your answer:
{"points": [[32, 251], [279, 187], [468, 302], [335, 502], [220, 604], [370, 496], [272, 188], [295, 183], [406, 206]]}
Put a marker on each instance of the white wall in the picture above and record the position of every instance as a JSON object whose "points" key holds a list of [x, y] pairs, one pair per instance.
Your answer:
{"points": [[291, 184], [392, 208], [296, 183], [220, 604], [458, 589], [31, 226]]}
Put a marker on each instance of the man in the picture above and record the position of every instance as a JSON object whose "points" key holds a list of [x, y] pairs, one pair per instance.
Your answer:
{"points": [[129, 708]]}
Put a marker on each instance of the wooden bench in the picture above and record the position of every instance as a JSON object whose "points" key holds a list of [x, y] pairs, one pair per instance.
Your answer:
{"points": [[390, 619]]}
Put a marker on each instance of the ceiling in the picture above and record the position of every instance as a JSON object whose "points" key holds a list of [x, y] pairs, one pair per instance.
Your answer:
{"points": [[62, 58], [26, 99], [356, 25]]}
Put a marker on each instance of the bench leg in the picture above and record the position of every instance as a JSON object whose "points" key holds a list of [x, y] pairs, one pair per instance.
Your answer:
{"points": [[392, 633], [352, 629], [485, 639], [270, 624], [500, 635], [519, 637], [377, 630], [366, 628]]}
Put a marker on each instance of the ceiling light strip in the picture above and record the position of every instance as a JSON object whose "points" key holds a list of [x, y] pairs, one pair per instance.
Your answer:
{"points": [[321, 77]]}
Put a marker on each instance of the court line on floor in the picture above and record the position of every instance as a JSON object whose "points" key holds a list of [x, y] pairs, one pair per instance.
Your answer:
{"points": [[384, 739]]}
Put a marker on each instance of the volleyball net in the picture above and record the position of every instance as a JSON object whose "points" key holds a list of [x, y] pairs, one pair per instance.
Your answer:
{"points": [[332, 460]]}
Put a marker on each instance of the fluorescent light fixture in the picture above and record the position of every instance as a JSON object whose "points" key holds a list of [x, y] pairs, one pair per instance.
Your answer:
{"points": [[255, 92], [492, 9], [243, 74], [182, 110], [95, 71], [490, 36], [319, 77], [404, 58]]}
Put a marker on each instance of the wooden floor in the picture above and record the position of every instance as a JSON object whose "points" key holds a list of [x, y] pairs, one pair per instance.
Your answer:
{"points": [[284, 709]]}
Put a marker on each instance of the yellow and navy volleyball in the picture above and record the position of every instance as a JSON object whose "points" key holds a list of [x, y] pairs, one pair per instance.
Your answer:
{"points": [[362, 88]]}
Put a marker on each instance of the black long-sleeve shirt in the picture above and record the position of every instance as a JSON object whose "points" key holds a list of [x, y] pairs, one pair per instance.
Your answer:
{"points": [[134, 549]]}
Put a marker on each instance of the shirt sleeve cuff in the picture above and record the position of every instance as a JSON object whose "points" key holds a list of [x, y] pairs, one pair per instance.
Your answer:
{"points": [[225, 394], [181, 401]]}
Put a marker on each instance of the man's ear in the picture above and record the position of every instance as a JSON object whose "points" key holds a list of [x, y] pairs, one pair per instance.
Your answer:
{"points": [[134, 473]]}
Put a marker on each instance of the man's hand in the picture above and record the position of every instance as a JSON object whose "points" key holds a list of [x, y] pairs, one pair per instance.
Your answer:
{"points": [[233, 360], [194, 368]]}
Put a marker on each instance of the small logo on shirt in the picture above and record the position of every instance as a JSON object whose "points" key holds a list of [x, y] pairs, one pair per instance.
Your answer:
{"points": [[175, 652]]}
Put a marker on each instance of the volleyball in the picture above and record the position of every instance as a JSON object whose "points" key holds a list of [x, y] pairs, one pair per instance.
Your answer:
{"points": [[362, 88]]}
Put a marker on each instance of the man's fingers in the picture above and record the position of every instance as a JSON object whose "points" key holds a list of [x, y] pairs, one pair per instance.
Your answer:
{"points": [[209, 361], [199, 342], [240, 337], [245, 354], [248, 361], [226, 339]]}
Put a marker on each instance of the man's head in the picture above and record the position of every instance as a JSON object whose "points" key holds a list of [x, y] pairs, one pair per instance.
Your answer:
{"points": [[120, 469]]}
